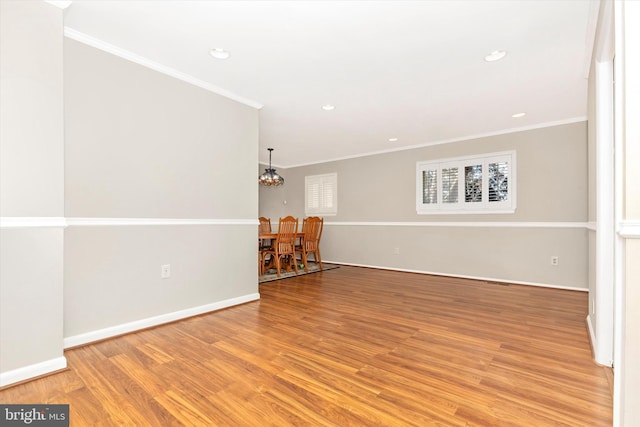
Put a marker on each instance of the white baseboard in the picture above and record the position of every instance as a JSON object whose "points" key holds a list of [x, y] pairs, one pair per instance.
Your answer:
{"points": [[125, 328], [461, 276], [592, 335], [592, 341], [32, 371]]}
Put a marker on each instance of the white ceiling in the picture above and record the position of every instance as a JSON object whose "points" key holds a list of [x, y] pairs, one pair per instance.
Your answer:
{"points": [[412, 70]]}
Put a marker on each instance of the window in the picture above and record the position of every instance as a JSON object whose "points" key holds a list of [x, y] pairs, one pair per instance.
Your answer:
{"points": [[478, 184], [321, 194]]}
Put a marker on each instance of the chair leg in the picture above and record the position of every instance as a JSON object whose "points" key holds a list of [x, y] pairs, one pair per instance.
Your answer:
{"points": [[278, 265], [318, 258], [295, 262], [305, 260], [263, 263]]}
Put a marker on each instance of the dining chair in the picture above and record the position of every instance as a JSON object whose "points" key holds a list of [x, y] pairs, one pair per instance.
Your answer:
{"points": [[284, 246], [264, 245], [265, 225], [310, 242]]}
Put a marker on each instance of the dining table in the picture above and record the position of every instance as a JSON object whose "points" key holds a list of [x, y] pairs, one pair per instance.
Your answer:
{"points": [[272, 236]]}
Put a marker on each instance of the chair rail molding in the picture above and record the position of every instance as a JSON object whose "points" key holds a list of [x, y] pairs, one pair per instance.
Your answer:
{"points": [[29, 222], [478, 224], [629, 229], [93, 222], [61, 222]]}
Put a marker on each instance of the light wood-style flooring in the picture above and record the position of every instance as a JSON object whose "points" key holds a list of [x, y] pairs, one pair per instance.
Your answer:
{"points": [[347, 347]]}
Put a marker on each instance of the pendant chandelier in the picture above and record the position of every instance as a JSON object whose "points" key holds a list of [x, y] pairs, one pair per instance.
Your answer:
{"points": [[270, 177]]}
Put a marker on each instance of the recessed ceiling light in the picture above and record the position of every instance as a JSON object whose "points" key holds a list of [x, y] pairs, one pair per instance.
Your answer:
{"points": [[393, 139], [496, 55], [517, 115], [328, 107], [219, 53]]}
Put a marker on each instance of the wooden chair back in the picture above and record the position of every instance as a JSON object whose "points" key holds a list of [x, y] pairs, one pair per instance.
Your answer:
{"points": [[264, 245], [265, 225], [312, 229], [286, 238]]}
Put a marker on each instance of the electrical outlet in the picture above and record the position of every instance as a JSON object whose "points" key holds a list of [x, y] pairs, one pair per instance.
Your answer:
{"points": [[555, 260], [165, 271]]}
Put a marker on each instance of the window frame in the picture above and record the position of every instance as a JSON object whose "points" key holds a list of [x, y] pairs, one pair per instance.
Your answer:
{"points": [[461, 206], [322, 180]]}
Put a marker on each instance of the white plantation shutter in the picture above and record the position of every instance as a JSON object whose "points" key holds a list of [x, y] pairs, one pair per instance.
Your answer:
{"points": [[321, 194], [475, 184], [313, 196], [430, 186], [327, 194], [498, 181], [450, 184]]}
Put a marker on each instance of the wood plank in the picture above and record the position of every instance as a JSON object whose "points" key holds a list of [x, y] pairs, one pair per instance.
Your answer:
{"points": [[350, 346]]}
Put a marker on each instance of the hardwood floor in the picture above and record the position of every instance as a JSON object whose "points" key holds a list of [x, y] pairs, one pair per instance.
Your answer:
{"points": [[347, 347]]}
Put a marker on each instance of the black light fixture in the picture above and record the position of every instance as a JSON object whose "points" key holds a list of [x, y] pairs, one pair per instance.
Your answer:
{"points": [[270, 177]]}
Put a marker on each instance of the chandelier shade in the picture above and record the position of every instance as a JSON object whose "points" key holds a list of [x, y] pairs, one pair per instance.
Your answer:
{"points": [[270, 177]]}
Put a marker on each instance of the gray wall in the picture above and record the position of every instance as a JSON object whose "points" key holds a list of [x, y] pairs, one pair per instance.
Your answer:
{"points": [[112, 273], [31, 168], [140, 144], [551, 189], [273, 200], [31, 179]]}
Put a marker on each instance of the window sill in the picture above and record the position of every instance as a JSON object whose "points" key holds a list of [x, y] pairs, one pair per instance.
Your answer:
{"points": [[465, 212]]}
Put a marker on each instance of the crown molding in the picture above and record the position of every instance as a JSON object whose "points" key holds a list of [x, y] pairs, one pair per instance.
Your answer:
{"points": [[145, 62], [61, 4], [448, 141]]}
